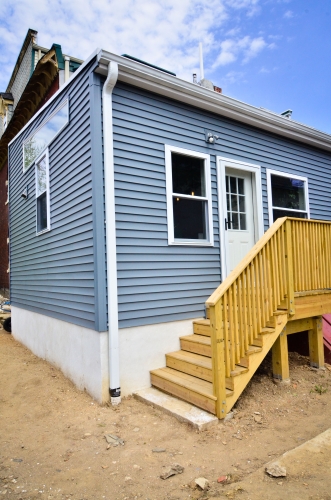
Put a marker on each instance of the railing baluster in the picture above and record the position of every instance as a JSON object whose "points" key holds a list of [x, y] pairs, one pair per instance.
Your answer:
{"points": [[241, 325], [231, 330], [226, 335], [245, 311], [249, 303], [235, 321], [327, 258], [277, 274], [270, 280], [289, 268], [257, 292], [254, 313], [280, 265], [264, 286], [305, 258]]}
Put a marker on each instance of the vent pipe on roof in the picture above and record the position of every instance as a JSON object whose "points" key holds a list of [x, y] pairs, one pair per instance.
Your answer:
{"points": [[202, 74], [287, 113]]}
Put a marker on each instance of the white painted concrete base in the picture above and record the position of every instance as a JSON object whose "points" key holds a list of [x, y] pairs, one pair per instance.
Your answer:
{"points": [[143, 348], [80, 353], [184, 412]]}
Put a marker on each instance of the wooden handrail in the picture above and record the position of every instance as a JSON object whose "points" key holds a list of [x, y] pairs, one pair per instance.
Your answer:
{"points": [[292, 256], [244, 263]]}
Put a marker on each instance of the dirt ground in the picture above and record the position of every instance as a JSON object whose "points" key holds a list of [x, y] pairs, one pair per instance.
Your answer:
{"points": [[53, 446]]}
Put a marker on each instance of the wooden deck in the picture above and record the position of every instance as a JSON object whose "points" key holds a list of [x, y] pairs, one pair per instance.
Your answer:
{"points": [[283, 286]]}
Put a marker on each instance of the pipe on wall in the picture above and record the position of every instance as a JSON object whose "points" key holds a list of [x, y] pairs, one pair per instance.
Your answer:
{"points": [[114, 365]]}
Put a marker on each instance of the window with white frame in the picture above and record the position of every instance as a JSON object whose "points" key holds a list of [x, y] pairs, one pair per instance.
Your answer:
{"points": [[42, 193], [42, 137], [189, 203], [287, 195]]}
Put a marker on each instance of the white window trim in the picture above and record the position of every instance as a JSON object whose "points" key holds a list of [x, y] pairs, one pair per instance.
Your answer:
{"points": [[62, 105], [45, 154], [271, 172], [210, 232]]}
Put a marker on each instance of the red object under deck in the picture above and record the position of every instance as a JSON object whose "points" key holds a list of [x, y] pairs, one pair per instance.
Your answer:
{"points": [[327, 337]]}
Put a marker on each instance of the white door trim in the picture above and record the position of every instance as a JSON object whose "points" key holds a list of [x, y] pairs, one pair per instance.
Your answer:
{"points": [[222, 163]]}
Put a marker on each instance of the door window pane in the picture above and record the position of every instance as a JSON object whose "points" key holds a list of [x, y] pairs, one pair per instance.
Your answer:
{"points": [[188, 175], [236, 204], [189, 218]]}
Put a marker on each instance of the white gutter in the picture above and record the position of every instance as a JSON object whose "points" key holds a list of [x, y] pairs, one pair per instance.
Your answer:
{"points": [[161, 83], [114, 367]]}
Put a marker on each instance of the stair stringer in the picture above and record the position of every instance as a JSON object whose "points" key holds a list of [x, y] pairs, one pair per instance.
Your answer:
{"points": [[240, 383]]}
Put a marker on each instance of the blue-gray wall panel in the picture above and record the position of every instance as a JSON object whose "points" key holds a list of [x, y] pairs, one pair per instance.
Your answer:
{"points": [[55, 273], [158, 282]]}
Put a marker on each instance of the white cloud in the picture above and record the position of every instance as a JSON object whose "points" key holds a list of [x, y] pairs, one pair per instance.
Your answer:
{"points": [[245, 48], [163, 32], [288, 14]]}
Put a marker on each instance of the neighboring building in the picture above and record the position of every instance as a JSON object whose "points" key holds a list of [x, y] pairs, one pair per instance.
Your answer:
{"points": [[133, 181], [37, 75]]}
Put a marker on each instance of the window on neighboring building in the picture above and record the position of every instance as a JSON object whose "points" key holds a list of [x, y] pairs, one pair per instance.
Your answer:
{"points": [[42, 193], [287, 195], [188, 197], [48, 130]]}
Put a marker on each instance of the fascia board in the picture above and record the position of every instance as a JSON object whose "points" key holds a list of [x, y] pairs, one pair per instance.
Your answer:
{"points": [[164, 84]]}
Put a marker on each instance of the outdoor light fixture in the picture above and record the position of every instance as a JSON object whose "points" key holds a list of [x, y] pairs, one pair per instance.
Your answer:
{"points": [[25, 193], [211, 138]]}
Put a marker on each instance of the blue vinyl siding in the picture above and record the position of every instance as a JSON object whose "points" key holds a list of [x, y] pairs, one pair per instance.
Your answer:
{"points": [[157, 282], [54, 273]]}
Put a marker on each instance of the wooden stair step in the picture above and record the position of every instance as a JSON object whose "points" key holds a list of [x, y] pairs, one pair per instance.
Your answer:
{"points": [[259, 342], [191, 389], [191, 363], [252, 349], [230, 381], [202, 327], [266, 330], [199, 344]]}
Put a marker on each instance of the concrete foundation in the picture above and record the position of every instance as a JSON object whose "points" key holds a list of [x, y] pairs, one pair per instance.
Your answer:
{"points": [[82, 354]]}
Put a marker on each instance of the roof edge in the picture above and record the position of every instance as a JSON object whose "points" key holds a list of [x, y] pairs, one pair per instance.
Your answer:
{"points": [[164, 84], [57, 93], [30, 38]]}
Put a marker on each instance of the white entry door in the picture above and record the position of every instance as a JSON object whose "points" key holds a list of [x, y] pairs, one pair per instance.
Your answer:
{"points": [[240, 201], [239, 221]]}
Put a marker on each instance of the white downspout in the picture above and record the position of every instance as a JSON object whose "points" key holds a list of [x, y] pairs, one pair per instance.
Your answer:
{"points": [[114, 365]]}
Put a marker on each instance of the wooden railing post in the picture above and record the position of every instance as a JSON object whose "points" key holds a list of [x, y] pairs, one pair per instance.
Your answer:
{"points": [[218, 359], [289, 268]]}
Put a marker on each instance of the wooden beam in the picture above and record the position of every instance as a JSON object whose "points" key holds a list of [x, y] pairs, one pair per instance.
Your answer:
{"points": [[280, 365], [299, 325], [312, 305], [316, 349]]}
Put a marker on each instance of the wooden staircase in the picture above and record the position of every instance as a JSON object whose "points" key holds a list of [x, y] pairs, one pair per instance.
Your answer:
{"points": [[277, 283], [188, 372]]}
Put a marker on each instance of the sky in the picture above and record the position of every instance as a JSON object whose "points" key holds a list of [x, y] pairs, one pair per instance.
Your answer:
{"points": [[273, 54]]}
